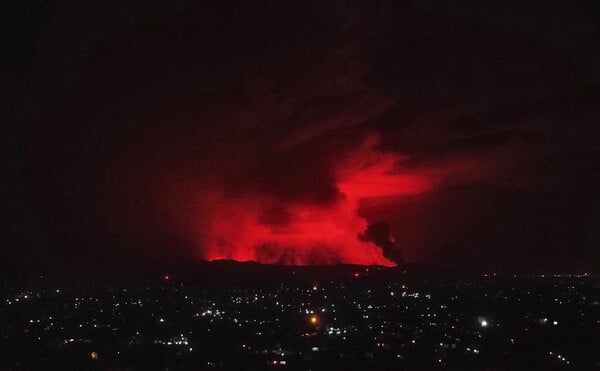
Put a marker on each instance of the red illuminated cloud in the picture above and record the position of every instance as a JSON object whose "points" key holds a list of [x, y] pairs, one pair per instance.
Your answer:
{"points": [[271, 220], [303, 232], [285, 146], [269, 228]]}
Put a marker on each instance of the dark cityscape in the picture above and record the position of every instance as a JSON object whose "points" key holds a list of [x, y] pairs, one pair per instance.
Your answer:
{"points": [[364, 318], [296, 185]]}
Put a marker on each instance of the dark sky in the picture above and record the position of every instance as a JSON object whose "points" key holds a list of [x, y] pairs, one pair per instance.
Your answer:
{"points": [[144, 137]]}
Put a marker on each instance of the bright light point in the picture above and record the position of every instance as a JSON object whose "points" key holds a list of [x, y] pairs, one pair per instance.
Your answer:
{"points": [[483, 322], [555, 323], [166, 277], [314, 320]]}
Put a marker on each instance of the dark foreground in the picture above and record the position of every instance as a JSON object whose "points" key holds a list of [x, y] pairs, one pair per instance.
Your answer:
{"points": [[361, 319]]}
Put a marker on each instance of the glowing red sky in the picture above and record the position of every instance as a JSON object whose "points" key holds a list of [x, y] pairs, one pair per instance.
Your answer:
{"points": [[282, 135]]}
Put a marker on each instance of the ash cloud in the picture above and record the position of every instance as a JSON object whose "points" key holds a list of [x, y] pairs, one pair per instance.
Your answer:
{"points": [[281, 133]]}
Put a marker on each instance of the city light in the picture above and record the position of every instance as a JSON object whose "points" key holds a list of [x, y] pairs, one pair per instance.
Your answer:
{"points": [[359, 316]]}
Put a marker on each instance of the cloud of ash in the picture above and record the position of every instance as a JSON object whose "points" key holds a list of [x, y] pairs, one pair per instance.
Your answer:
{"points": [[269, 145], [273, 228]]}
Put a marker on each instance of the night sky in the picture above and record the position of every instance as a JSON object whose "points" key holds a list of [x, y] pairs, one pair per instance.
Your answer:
{"points": [[143, 137]]}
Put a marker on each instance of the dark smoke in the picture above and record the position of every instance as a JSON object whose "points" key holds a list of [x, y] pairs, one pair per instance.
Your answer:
{"points": [[380, 233]]}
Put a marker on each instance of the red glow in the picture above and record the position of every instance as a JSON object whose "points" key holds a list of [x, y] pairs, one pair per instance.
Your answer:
{"points": [[166, 277], [241, 228]]}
